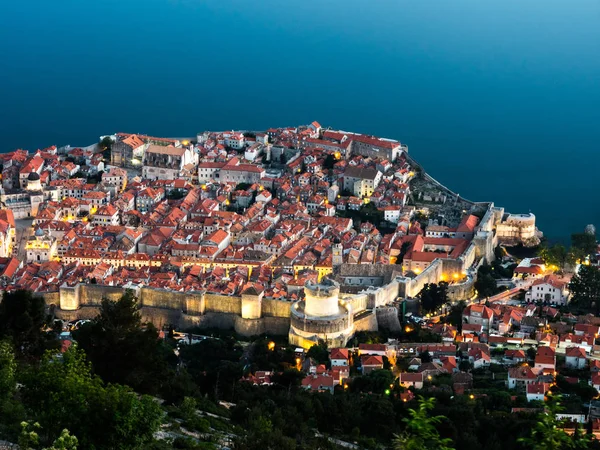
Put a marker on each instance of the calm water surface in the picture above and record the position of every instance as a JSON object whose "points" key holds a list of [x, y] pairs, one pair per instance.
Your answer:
{"points": [[500, 100]]}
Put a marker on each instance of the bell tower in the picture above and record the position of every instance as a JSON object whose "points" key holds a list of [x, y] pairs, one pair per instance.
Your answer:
{"points": [[337, 253]]}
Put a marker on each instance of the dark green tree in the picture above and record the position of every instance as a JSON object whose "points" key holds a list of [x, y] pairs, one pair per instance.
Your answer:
{"points": [[12, 412], [547, 434], [105, 146], [555, 255], [585, 242], [261, 434], [214, 365], [486, 284], [8, 370], [377, 382], [22, 318], [425, 357], [329, 162], [62, 393], [121, 350], [433, 296], [403, 249], [319, 352], [454, 317], [585, 288], [421, 430]]}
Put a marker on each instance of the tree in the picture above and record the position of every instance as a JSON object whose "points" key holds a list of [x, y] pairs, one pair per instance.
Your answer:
{"points": [[585, 288], [370, 213], [425, 356], [105, 146], [454, 317], [585, 242], [214, 365], [319, 352], [421, 430], [22, 317], [12, 412], [329, 162], [29, 437], [122, 351], [486, 284], [242, 186], [377, 382], [556, 255], [261, 434], [63, 393], [499, 252], [65, 442], [289, 378], [433, 296], [8, 370], [403, 249], [548, 435]]}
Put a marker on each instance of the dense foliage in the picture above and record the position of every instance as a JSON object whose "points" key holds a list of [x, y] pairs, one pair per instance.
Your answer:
{"points": [[83, 398], [122, 351], [433, 296], [22, 317], [585, 288]]}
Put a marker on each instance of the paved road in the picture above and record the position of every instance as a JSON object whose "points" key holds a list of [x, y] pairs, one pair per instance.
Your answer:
{"points": [[23, 232]]}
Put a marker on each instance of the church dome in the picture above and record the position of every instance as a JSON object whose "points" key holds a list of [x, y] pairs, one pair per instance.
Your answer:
{"points": [[33, 176]]}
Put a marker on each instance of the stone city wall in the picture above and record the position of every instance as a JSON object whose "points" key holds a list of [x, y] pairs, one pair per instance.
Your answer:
{"points": [[160, 317], [51, 298], [387, 318], [275, 308], [461, 291], [367, 322], [205, 310], [265, 325], [223, 303], [358, 302], [160, 298], [182, 309], [410, 287], [92, 294]]}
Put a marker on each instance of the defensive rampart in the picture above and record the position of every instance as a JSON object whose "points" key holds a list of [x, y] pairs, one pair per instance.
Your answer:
{"points": [[194, 309]]}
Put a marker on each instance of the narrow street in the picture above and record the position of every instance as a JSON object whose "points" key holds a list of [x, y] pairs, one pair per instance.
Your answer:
{"points": [[22, 234]]}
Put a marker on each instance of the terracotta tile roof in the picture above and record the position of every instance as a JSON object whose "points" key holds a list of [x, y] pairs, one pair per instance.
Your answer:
{"points": [[371, 360]]}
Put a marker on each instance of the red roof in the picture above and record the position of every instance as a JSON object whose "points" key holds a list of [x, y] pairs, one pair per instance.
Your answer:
{"points": [[410, 377], [521, 373], [468, 224], [576, 352], [365, 348], [531, 269], [553, 281], [372, 361], [372, 140], [485, 312], [317, 382], [338, 353], [537, 388]]}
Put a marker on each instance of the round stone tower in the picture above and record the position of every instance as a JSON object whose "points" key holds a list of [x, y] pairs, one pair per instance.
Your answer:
{"points": [[321, 299], [321, 316]]}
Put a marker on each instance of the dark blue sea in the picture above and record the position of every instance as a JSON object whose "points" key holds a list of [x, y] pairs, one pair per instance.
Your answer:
{"points": [[500, 100]]}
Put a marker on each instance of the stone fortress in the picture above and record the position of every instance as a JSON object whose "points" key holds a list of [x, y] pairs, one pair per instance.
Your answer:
{"points": [[322, 315], [353, 297]]}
